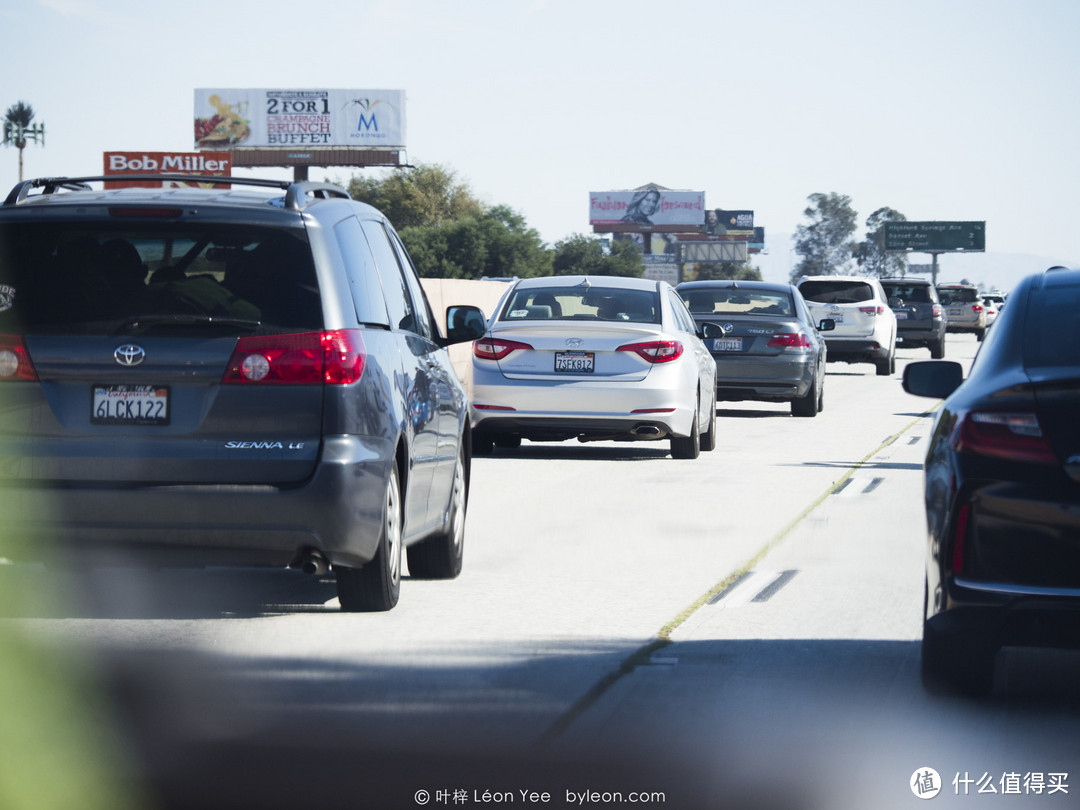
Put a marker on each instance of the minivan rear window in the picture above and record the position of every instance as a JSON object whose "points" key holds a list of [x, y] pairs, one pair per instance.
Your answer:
{"points": [[836, 292], [102, 278]]}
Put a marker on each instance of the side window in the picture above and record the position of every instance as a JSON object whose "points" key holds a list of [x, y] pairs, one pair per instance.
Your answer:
{"points": [[424, 320], [398, 302], [364, 283]]}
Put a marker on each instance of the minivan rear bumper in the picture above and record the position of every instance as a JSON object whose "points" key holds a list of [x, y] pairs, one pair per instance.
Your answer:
{"points": [[337, 511]]}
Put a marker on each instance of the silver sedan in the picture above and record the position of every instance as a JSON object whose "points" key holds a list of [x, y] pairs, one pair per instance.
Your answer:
{"points": [[594, 358]]}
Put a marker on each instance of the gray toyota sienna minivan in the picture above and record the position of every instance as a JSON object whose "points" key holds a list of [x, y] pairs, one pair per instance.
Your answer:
{"points": [[242, 375]]}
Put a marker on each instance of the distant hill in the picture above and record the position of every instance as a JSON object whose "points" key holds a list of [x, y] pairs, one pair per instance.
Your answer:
{"points": [[990, 271]]}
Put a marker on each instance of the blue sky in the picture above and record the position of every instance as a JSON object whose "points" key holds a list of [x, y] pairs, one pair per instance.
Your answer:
{"points": [[942, 109]]}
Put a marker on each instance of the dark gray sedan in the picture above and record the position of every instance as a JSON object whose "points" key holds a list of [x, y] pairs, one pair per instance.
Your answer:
{"points": [[772, 350]]}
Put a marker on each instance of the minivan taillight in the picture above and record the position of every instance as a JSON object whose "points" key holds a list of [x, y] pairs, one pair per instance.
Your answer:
{"points": [[334, 357], [15, 360], [1011, 436]]}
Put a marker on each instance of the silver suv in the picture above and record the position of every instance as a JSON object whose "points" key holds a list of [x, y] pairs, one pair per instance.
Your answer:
{"points": [[865, 325], [243, 376], [964, 310]]}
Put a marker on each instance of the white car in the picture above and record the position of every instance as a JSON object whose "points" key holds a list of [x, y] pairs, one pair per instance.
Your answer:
{"points": [[865, 324], [594, 358]]}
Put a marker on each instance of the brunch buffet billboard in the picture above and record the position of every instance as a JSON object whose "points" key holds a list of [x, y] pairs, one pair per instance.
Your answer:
{"points": [[306, 119]]}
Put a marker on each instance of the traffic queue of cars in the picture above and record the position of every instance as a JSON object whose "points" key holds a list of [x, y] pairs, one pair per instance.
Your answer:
{"points": [[254, 376]]}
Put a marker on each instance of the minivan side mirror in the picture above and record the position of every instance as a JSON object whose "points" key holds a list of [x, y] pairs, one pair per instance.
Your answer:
{"points": [[464, 323], [933, 378]]}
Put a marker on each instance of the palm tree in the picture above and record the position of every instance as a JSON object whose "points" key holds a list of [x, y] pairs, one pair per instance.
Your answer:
{"points": [[17, 127]]}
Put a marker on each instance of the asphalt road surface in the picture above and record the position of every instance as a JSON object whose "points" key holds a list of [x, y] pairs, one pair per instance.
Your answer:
{"points": [[740, 630]]}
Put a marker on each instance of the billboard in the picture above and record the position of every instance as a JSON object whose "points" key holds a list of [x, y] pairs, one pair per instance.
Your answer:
{"points": [[645, 209], [120, 163], [306, 119], [720, 221], [935, 237]]}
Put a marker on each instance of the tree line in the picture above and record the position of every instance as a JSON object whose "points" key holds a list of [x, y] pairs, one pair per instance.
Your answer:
{"points": [[449, 233], [828, 246]]}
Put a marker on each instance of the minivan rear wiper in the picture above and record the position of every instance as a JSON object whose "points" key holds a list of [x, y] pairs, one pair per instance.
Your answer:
{"points": [[144, 323]]}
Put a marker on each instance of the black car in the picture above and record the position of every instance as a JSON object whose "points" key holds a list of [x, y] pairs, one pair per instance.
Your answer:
{"points": [[920, 319], [772, 351], [1003, 488], [245, 376]]}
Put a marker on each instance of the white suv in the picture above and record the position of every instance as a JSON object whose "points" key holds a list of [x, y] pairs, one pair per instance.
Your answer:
{"points": [[865, 324]]}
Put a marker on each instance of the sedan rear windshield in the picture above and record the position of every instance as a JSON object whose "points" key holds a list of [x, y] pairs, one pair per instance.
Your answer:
{"points": [[734, 301], [109, 279], [836, 292], [583, 303]]}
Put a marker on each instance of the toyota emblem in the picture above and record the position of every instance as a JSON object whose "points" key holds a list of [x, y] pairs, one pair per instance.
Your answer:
{"points": [[129, 354]]}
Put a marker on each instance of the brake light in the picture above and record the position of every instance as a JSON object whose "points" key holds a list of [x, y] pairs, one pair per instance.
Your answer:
{"points": [[789, 340], [1011, 436], [15, 360], [655, 351], [935, 312], [872, 310], [334, 357], [496, 348], [976, 308]]}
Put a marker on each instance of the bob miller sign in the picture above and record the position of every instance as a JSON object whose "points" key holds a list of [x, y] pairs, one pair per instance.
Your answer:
{"points": [[299, 119], [649, 208], [121, 163]]}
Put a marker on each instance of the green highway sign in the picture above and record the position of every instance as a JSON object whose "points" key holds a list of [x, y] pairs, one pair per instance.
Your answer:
{"points": [[935, 237]]}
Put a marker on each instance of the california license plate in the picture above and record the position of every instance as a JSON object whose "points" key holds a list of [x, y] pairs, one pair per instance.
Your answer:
{"points": [[575, 362], [727, 344], [130, 405]]}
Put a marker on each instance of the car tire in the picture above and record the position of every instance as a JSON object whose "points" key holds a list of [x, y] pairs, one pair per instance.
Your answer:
{"points": [[962, 664], [708, 438], [980, 335], [440, 556], [684, 447], [937, 350], [376, 585], [885, 365], [808, 404]]}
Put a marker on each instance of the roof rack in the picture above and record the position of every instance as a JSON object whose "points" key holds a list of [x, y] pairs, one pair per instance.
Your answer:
{"points": [[296, 192]]}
